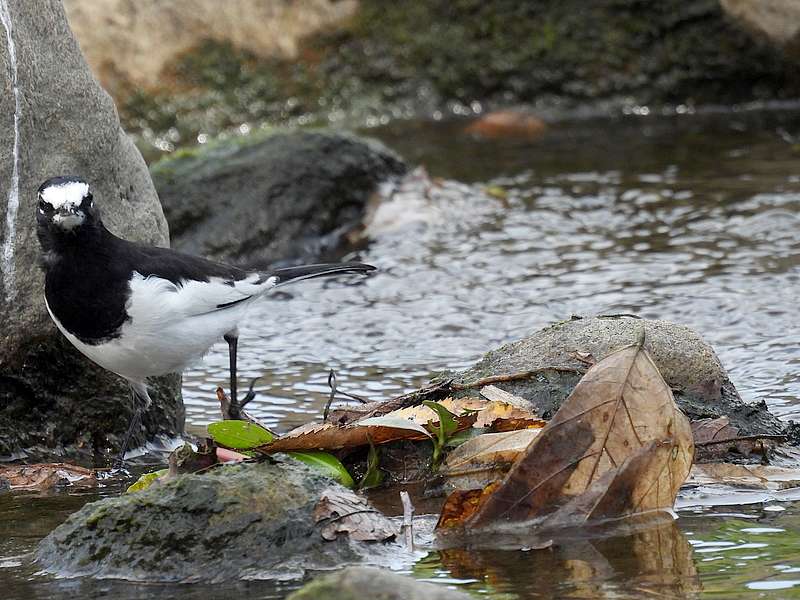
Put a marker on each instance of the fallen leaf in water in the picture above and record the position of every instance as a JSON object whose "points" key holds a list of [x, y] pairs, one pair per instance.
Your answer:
{"points": [[146, 480], [619, 430], [509, 123], [46, 476], [462, 504], [761, 477], [485, 458], [340, 511]]}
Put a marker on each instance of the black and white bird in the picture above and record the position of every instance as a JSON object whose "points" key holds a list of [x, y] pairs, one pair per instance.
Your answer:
{"points": [[138, 310]]}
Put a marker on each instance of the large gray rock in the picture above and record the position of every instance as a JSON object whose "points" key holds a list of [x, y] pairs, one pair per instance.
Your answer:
{"points": [[234, 522], [50, 396], [286, 196], [357, 583], [687, 362]]}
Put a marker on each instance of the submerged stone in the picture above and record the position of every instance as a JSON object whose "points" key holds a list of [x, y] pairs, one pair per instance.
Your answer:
{"points": [[234, 522], [560, 354], [355, 583]]}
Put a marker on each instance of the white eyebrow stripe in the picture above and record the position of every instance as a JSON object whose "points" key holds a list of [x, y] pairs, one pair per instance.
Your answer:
{"points": [[70, 193]]}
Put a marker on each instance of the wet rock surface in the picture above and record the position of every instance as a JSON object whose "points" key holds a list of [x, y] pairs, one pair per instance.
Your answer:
{"points": [[233, 522], [354, 583], [50, 396], [287, 196], [688, 364]]}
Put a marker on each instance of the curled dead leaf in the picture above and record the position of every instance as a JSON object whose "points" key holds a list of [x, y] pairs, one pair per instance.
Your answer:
{"points": [[327, 436], [620, 430]]}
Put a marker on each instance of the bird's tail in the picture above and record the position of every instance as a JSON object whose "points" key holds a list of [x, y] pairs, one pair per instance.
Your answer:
{"points": [[293, 274]]}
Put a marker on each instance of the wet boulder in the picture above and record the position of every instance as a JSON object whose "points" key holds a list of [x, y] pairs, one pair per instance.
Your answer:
{"points": [[560, 354], [233, 522], [282, 197], [55, 119], [355, 583]]}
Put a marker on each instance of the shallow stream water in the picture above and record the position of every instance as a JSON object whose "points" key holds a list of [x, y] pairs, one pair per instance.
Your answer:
{"points": [[689, 218]]}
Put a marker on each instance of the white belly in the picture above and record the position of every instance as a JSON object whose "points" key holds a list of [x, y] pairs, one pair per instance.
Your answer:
{"points": [[166, 333]]}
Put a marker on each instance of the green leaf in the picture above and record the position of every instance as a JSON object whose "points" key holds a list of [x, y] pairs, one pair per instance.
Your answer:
{"points": [[462, 436], [447, 420], [447, 427], [327, 464], [239, 435], [145, 481], [374, 475]]}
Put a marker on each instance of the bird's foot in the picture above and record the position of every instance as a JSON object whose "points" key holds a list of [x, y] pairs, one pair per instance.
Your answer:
{"points": [[237, 406], [119, 463]]}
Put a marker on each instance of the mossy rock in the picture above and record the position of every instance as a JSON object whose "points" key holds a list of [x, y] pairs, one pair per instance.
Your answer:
{"points": [[234, 522]]}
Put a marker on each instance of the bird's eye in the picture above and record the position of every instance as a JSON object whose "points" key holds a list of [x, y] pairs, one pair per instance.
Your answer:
{"points": [[88, 200], [45, 207]]}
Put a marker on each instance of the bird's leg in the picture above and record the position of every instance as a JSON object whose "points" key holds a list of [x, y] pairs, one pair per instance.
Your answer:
{"points": [[141, 401], [232, 337]]}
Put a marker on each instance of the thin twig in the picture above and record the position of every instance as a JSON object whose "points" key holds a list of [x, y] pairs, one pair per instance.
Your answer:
{"points": [[332, 385], [408, 516], [743, 438], [457, 387]]}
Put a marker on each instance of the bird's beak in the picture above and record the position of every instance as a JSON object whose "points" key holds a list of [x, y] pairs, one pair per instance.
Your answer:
{"points": [[68, 218]]}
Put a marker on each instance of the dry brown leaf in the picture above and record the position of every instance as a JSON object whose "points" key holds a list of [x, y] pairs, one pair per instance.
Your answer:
{"points": [[46, 476], [487, 411], [763, 477], [341, 511], [484, 459], [716, 440], [620, 419], [706, 430], [326, 436]]}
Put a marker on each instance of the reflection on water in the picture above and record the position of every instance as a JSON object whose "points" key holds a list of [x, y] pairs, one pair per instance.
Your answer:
{"points": [[692, 219], [655, 560]]}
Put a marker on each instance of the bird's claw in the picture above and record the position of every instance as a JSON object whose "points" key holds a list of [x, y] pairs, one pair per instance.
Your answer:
{"points": [[251, 393]]}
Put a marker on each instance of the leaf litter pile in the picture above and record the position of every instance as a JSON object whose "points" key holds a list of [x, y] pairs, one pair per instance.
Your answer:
{"points": [[618, 448]]}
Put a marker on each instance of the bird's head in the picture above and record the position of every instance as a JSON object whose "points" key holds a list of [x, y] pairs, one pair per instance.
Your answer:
{"points": [[65, 206]]}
